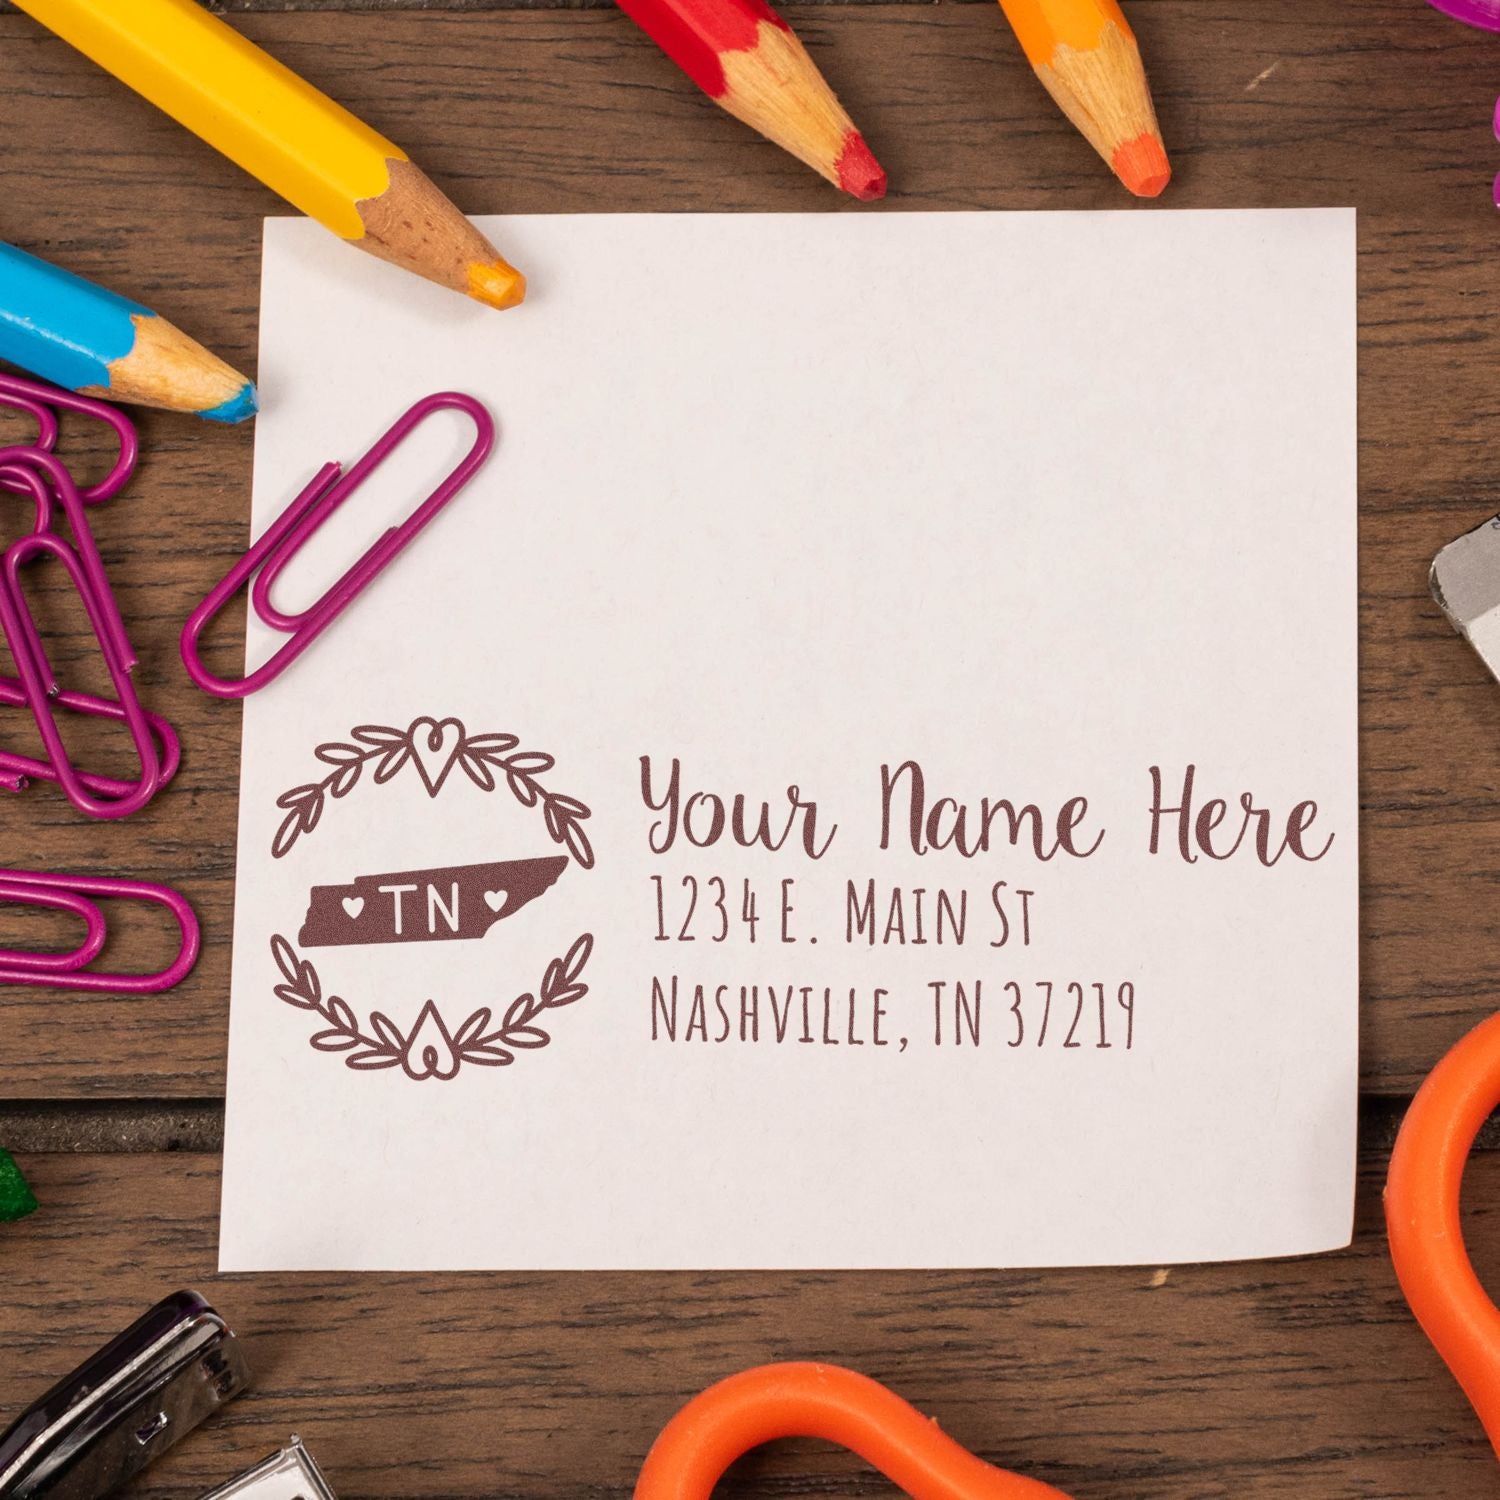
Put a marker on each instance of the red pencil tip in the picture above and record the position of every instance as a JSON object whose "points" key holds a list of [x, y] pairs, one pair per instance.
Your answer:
{"points": [[1142, 165], [859, 172]]}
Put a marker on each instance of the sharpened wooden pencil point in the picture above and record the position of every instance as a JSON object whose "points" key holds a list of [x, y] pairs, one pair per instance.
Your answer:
{"points": [[167, 369], [1142, 166], [497, 285], [859, 172], [295, 139], [746, 58], [88, 339], [412, 225], [1086, 57]]}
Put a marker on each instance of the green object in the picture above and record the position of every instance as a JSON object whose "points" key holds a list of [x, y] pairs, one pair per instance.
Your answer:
{"points": [[16, 1198]]}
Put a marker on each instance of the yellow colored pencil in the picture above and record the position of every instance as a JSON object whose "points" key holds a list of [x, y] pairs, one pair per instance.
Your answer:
{"points": [[1086, 56], [296, 140]]}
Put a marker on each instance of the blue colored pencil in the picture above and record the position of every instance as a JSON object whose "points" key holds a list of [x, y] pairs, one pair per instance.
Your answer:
{"points": [[87, 339]]}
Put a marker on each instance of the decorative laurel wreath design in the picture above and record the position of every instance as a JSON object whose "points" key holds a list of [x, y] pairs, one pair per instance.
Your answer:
{"points": [[431, 1049], [433, 749]]}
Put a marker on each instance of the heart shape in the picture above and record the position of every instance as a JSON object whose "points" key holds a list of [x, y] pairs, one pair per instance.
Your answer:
{"points": [[496, 900], [353, 906], [429, 1051], [435, 748]]}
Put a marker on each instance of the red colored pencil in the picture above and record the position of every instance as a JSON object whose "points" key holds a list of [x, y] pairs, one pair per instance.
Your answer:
{"points": [[745, 57]]}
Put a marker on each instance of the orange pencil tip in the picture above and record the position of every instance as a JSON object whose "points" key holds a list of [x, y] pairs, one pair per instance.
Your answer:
{"points": [[859, 173], [496, 284], [1142, 165]]}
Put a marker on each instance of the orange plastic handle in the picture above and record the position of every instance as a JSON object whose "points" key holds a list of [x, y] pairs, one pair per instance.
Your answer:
{"points": [[1422, 1217], [825, 1401]]}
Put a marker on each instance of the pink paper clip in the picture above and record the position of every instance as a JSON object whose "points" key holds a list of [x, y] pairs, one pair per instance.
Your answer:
{"points": [[73, 893], [295, 527], [43, 477], [60, 899], [42, 403], [19, 771]]}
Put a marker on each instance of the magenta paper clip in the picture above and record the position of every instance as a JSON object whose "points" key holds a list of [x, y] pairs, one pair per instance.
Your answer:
{"points": [[18, 771], [38, 410], [1482, 13], [299, 522], [39, 475], [59, 898], [1497, 131], [42, 403], [74, 893]]}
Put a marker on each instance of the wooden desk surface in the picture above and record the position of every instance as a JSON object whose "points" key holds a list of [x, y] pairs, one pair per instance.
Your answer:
{"points": [[1302, 1378]]}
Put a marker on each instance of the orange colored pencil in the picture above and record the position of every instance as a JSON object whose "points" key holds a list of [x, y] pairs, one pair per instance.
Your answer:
{"points": [[1085, 54], [746, 58]]}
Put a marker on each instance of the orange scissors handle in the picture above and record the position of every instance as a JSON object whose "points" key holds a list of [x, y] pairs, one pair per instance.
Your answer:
{"points": [[1422, 1217], [824, 1401]]}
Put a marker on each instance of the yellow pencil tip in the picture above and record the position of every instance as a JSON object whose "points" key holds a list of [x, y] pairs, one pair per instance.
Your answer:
{"points": [[496, 284]]}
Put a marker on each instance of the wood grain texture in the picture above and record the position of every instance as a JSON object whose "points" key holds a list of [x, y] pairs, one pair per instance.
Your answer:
{"points": [[1300, 1378], [1385, 105], [135, 1125], [1295, 1379]]}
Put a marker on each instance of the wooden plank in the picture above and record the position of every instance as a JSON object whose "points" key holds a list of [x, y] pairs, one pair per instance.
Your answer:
{"points": [[1264, 102], [96, 1126], [1304, 1377]]}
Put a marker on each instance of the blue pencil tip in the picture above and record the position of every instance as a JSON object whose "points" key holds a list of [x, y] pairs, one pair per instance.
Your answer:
{"points": [[239, 408]]}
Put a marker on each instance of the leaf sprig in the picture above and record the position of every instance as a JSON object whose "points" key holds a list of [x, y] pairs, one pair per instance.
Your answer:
{"points": [[380, 1043], [486, 759]]}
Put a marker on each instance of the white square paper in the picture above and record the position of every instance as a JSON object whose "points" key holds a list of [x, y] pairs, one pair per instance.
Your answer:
{"points": [[1033, 502]]}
